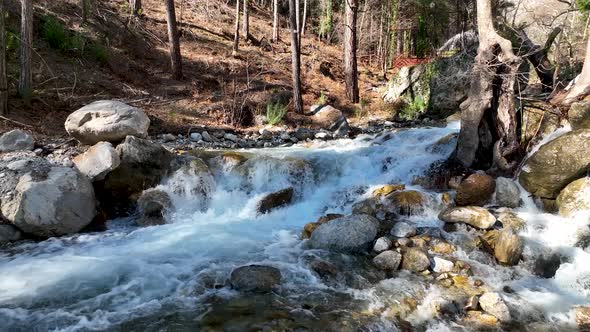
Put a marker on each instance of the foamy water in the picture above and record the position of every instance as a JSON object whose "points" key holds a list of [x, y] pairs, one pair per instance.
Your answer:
{"points": [[134, 278]]}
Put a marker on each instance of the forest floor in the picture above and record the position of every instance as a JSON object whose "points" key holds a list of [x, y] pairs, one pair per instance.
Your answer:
{"points": [[118, 56]]}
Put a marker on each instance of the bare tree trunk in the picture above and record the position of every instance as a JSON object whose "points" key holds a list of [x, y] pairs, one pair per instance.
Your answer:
{"points": [[488, 122], [295, 57], [246, 23], [26, 43], [350, 61], [3, 79], [84, 6], [136, 7], [581, 87], [303, 23], [236, 30], [275, 21], [175, 57]]}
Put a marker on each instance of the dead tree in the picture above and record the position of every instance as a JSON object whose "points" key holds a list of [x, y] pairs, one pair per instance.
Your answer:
{"points": [[350, 60], [3, 79], [295, 58], [581, 87], [174, 40], [236, 30], [26, 39], [304, 20], [488, 123], [136, 7], [246, 23], [275, 21]]}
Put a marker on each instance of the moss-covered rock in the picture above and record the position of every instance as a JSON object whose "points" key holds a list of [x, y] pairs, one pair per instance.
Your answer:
{"points": [[575, 197]]}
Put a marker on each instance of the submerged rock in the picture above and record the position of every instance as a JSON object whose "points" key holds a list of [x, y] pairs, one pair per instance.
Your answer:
{"points": [[388, 260], [477, 189], [556, 164], [16, 140], [507, 193], [403, 229], [310, 227], [574, 198], [152, 205], [98, 161], [255, 278], [415, 260], [275, 200], [387, 189], [472, 215], [9, 233], [107, 120], [493, 304], [346, 234]]}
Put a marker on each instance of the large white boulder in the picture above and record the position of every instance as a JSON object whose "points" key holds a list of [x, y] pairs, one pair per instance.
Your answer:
{"points": [[98, 161], [107, 120]]}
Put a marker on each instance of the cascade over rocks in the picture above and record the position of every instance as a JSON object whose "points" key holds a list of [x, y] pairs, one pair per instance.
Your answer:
{"points": [[16, 140], [354, 233], [98, 161], [330, 118], [43, 199], [574, 198], [476, 189], [107, 120], [255, 278], [556, 164]]}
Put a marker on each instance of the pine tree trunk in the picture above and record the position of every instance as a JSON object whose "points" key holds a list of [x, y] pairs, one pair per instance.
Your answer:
{"points": [[237, 30], [26, 35], [3, 78], [136, 7], [175, 57], [246, 23], [488, 122], [350, 61], [303, 23], [295, 58], [275, 21]]}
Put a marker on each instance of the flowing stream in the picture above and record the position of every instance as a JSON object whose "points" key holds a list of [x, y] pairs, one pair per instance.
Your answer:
{"points": [[173, 277]]}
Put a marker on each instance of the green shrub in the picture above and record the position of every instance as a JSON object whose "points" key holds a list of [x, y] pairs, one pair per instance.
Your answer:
{"points": [[56, 34], [412, 109], [322, 100], [275, 113]]}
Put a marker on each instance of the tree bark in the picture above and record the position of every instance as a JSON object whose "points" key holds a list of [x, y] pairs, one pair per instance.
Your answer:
{"points": [[275, 21], [175, 57], [236, 30], [246, 23], [135, 7], [350, 60], [26, 35], [488, 123], [581, 87], [3, 78], [295, 58], [84, 7], [304, 21]]}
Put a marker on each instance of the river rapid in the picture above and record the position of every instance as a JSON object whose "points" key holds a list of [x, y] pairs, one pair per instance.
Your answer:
{"points": [[173, 277]]}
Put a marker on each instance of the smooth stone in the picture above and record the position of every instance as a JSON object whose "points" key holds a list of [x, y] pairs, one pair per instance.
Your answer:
{"points": [[493, 304], [388, 260], [16, 140], [98, 161], [255, 278], [472, 215]]}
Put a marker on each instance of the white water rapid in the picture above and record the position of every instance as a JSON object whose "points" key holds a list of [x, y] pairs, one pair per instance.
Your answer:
{"points": [[173, 277]]}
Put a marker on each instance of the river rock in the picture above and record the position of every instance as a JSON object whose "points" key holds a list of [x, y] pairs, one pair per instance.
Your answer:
{"points": [[507, 193], [370, 206], [16, 140], [415, 260], [310, 227], [255, 278], [509, 219], [388, 260], [556, 164], [98, 161], [303, 134], [330, 118], [275, 200], [383, 243], [46, 200], [579, 115], [472, 215], [387, 189], [346, 234], [582, 316], [152, 205], [107, 120], [143, 165], [477, 189], [9, 233], [403, 229], [493, 304], [440, 265], [574, 198], [407, 203], [508, 248]]}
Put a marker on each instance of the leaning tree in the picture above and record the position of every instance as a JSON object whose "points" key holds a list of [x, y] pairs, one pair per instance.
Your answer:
{"points": [[488, 137]]}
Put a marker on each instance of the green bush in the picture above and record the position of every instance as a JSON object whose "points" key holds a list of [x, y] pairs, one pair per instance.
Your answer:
{"points": [[412, 109], [275, 113], [56, 34]]}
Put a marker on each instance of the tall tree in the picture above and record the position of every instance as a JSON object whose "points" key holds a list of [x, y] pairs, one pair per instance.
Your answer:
{"points": [[3, 79], [237, 30], [174, 40], [136, 7], [304, 20], [26, 39], [246, 23], [350, 61], [84, 7], [295, 58], [487, 138], [275, 21]]}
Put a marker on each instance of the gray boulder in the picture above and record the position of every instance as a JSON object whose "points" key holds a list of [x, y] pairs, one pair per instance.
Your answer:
{"points": [[472, 215], [388, 260], [107, 120], [556, 164], [255, 278], [330, 118], [579, 115], [493, 304], [9, 233], [346, 234], [98, 161], [16, 140], [43, 199], [574, 198], [152, 205], [507, 193]]}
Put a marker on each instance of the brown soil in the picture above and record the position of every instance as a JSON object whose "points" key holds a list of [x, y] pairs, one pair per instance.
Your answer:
{"points": [[137, 69]]}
